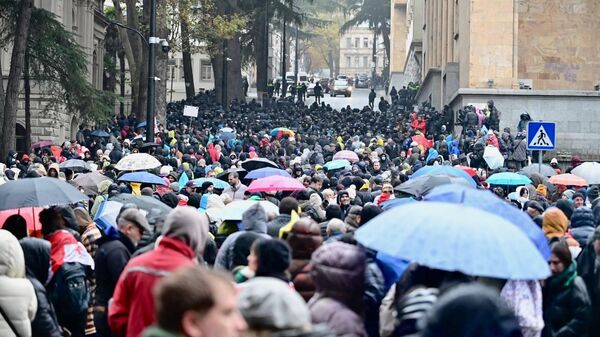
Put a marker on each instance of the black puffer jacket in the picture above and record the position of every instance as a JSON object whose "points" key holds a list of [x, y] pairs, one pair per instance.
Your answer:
{"points": [[582, 225], [567, 308], [37, 260]]}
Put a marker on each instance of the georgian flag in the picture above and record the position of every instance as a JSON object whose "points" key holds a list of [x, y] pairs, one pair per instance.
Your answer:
{"points": [[65, 248]]}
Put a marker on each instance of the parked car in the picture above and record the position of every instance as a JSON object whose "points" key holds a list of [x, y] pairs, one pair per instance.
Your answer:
{"points": [[310, 90], [341, 87], [362, 82]]}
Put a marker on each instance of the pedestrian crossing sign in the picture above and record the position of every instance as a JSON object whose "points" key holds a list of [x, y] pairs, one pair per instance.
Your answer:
{"points": [[541, 136]]}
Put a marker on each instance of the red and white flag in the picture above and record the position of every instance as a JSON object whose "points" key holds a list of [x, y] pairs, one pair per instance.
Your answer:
{"points": [[65, 248]]}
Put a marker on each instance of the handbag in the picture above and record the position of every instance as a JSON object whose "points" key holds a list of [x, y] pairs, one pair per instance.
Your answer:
{"points": [[9, 322]]}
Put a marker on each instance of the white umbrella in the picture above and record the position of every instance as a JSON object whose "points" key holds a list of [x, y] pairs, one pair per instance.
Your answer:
{"points": [[137, 161], [493, 157], [590, 171]]}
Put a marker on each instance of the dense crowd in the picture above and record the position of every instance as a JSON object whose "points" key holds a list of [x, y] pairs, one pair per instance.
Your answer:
{"points": [[289, 265]]}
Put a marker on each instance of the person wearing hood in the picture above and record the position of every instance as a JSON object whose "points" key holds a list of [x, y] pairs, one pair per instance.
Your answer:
{"points": [[17, 295], [53, 170], [344, 201], [184, 236], [267, 258], [338, 271], [37, 259], [113, 253], [555, 226], [566, 303], [304, 239], [582, 225], [254, 219], [286, 206]]}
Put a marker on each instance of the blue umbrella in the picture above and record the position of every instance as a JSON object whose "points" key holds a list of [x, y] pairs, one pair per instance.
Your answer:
{"points": [[100, 133], [445, 170], [386, 205], [267, 172], [217, 183], [142, 124], [337, 164], [455, 237], [225, 136], [489, 202], [508, 178], [106, 216], [142, 177]]}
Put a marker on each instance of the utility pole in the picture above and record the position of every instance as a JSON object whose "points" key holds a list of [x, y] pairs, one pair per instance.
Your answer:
{"points": [[374, 60], [152, 42]]}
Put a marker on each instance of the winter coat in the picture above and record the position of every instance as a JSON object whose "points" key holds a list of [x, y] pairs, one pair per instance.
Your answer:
{"points": [[17, 296], [37, 260], [132, 307], [586, 268], [338, 271], [582, 225], [520, 150], [304, 239], [236, 193], [275, 225], [111, 258], [567, 307]]}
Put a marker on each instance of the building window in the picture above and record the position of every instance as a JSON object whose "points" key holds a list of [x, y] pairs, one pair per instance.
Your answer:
{"points": [[365, 61], [349, 61], [357, 42], [357, 61], [348, 42], [206, 70], [365, 42]]}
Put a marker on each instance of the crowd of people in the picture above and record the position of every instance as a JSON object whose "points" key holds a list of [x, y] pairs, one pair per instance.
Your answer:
{"points": [[296, 272]]}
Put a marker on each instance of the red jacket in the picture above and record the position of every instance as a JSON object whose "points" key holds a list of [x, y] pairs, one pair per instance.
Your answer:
{"points": [[132, 306]]}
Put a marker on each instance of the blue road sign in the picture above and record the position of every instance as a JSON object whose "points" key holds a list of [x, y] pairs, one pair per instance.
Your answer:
{"points": [[541, 136]]}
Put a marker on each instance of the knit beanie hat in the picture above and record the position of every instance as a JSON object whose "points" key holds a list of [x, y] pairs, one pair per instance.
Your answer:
{"points": [[186, 224], [274, 257], [566, 207], [593, 193]]}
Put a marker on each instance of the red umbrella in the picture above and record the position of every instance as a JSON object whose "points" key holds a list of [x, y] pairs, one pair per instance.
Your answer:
{"points": [[275, 183], [567, 179], [41, 143], [470, 171], [31, 215], [426, 143], [350, 156]]}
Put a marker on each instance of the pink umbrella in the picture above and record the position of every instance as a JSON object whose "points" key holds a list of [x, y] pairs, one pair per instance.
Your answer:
{"points": [[346, 154], [567, 179], [31, 216], [275, 183]]}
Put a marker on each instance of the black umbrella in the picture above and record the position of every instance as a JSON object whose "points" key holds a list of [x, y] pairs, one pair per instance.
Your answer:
{"points": [[225, 174], [142, 201], [38, 192], [422, 185], [258, 163], [89, 181], [546, 170], [100, 133], [75, 165]]}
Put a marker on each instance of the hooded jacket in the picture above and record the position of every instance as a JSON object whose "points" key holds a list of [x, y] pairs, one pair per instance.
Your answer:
{"points": [[582, 225], [17, 296], [338, 271], [254, 219], [37, 260], [132, 310], [555, 225], [304, 239]]}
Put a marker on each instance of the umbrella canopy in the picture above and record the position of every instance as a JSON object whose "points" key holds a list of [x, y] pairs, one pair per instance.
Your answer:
{"points": [[267, 172], [275, 183], [426, 143], [225, 174], [38, 192], [137, 162], [257, 163], [444, 170], [280, 132], [590, 171], [100, 133], [567, 179], [469, 170], [546, 170], [89, 181], [31, 216], [143, 202], [219, 184], [41, 143], [493, 157], [396, 202], [75, 165], [508, 178], [337, 164], [142, 177], [225, 136], [235, 209], [106, 216], [489, 202], [227, 129], [350, 156], [455, 237], [422, 185]]}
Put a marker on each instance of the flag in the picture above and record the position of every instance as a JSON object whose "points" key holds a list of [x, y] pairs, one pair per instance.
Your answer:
{"points": [[65, 248], [183, 179]]}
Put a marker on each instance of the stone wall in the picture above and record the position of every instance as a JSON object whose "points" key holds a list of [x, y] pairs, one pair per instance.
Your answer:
{"points": [[559, 43], [576, 113]]}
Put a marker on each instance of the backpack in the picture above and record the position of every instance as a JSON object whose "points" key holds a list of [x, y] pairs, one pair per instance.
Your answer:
{"points": [[69, 291]]}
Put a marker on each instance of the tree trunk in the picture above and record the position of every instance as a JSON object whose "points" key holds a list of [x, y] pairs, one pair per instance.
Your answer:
{"points": [[160, 97], [129, 54], [27, 89], [234, 70], [261, 41], [142, 85], [188, 72], [111, 45], [14, 78], [1, 97], [217, 64]]}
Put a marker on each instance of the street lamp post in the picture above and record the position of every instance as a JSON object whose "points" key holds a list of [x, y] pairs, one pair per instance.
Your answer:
{"points": [[152, 41]]}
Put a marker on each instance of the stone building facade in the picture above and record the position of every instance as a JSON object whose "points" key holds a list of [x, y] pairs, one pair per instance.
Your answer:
{"points": [[85, 19], [356, 52], [533, 56]]}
